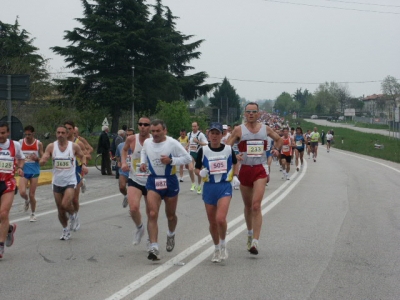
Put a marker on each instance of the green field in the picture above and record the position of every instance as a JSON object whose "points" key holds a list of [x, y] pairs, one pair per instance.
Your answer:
{"points": [[360, 142]]}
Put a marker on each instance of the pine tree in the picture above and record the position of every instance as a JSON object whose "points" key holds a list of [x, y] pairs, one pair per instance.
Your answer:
{"points": [[227, 100]]}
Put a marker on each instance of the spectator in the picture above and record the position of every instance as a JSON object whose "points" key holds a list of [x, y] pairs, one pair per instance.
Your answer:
{"points": [[103, 148]]}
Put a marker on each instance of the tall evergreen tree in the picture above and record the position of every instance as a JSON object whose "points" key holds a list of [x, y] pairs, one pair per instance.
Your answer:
{"points": [[227, 100]]}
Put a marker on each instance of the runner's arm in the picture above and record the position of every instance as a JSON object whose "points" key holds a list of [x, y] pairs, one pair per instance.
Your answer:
{"points": [[46, 155], [235, 135], [79, 153]]}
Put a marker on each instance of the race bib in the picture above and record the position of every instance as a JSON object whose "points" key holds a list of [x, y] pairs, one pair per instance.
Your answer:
{"points": [[62, 163], [285, 148], [193, 147], [6, 165], [161, 183], [299, 143], [255, 148], [28, 156], [218, 166]]}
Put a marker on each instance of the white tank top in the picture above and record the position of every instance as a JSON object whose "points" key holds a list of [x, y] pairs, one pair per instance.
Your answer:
{"points": [[134, 173], [253, 145], [64, 165]]}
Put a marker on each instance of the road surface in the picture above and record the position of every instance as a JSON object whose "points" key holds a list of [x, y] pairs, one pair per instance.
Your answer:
{"points": [[331, 232]]}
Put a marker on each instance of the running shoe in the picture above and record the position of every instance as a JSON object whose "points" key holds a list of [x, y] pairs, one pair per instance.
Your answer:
{"points": [[249, 240], [216, 258], [315, 160], [32, 218], [26, 206], [170, 243], [193, 187], [224, 253], [148, 244], [1, 251], [254, 248], [65, 235], [287, 177], [297, 169], [71, 221], [77, 224], [10, 235], [138, 235], [125, 201], [235, 187], [154, 254], [199, 190], [83, 187], [181, 179]]}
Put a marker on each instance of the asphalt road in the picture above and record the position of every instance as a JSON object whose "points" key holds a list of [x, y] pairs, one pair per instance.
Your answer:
{"points": [[331, 232]]}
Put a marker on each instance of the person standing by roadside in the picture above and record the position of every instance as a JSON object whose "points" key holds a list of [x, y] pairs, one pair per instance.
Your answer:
{"points": [[33, 150], [323, 137], [103, 148], [12, 161]]}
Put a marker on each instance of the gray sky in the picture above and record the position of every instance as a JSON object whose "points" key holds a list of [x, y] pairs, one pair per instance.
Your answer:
{"points": [[257, 40]]}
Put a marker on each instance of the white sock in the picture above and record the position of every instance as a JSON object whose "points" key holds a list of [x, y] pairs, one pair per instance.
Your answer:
{"points": [[216, 247], [222, 242], [154, 245], [250, 232], [169, 233]]}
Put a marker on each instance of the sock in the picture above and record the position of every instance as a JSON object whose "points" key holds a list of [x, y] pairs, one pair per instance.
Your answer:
{"points": [[154, 245], [216, 247], [255, 241], [140, 226], [222, 242], [169, 233], [250, 232]]}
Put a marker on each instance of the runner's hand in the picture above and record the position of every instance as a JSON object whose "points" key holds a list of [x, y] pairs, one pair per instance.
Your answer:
{"points": [[143, 167], [235, 181], [203, 173], [239, 157], [124, 167]]}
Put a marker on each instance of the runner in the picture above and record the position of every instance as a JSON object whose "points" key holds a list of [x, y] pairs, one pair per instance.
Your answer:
{"points": [[314, 137], [80, 170], [225, 135], [252, 137], [220, 168], [124, 175], [137, 179], [300, 143], [89, 151], [184, 140], [196, 140], [33, 150], [307, 137], [160, 155], [329, 138], [292, 134], [64, 154], [12, 161], [286, 153]]}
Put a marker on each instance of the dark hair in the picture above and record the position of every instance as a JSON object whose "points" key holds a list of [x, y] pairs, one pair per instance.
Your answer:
{"points": [[285, 128], [63, 126], [29, 128], [131, 129], [292, 128], [124, 127], [183, 130], [158, 122], [251, 103], [71, 123], [301, 130], [4, 124]]}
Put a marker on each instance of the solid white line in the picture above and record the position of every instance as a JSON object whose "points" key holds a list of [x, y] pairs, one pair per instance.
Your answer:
{"points": [[155, 289], [370, 160], [170, 263], [55, 210]]}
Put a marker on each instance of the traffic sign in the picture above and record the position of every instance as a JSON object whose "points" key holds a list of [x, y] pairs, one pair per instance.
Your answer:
{"points": [[19, 85], [105, 122]]}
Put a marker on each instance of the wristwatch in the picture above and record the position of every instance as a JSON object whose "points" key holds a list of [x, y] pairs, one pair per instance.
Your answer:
{"points": [[171, 161]]}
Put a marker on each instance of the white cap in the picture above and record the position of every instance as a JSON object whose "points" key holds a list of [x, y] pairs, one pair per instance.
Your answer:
{"points": [[224, 127]]}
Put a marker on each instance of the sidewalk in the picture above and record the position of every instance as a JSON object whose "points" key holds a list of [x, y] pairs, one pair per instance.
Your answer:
{"points": [[45, 177]]}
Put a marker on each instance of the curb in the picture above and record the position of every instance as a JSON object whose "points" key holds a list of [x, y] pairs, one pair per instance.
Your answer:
{"points": [[45, 178]]}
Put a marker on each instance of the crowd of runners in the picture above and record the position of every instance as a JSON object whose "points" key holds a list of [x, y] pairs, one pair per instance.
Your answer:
{"points": [[151, 166]]}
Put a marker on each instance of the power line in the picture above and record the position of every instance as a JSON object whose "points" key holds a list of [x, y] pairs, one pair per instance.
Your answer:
{"points": [[364, 3], [332, 7]]}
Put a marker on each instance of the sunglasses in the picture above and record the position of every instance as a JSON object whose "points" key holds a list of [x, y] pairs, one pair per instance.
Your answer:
{"points": [[251, 111], [144, 124]]}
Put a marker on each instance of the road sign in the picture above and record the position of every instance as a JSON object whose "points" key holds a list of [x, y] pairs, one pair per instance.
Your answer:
{"points": [[397, 114], [105, 122], [19, 85], [349, 112]]}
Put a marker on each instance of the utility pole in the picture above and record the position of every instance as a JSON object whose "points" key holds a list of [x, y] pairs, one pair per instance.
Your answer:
{"points": [[133, 96]]}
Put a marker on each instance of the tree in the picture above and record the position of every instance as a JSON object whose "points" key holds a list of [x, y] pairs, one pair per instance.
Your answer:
{"points": [[117, 35], [18, 55], [391, 89], [283, 103], [228, 101], [175, 115], [199, 103]]}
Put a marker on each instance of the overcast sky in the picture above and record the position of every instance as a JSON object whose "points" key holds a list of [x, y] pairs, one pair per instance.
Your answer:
{"points": [[258, 40]]}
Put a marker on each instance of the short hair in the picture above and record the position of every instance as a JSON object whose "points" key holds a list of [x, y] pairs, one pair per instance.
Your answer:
{"points": [[71, 123], [62, 126], [157, 122], [299, 128], [121, 132], [104, 127], [251, 103], [292, 128], [183, 130], [5, 124], [29, 128], [285, 128], [124, 127], [131, 130]]}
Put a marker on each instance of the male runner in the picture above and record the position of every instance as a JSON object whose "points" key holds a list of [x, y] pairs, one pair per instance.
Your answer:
{"points": [[160, 154], [89, 151], [33, 150], [64, 154], [329, 138], [12, 161], [286, 153], [196, 140], [123, 175], [184, 140], [225, 134], [81, 170], [307, 137], [137, 179], [220, 168], [252, 137], [314, 138], [300, 143]]}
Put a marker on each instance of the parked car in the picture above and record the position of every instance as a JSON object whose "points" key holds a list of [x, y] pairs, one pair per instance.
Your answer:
{"points": [[332, 119], [314, 117], [341, 118]]}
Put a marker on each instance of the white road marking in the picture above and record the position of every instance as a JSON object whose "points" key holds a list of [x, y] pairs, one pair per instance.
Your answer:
{"points": [[370, 160], [206, 253]]}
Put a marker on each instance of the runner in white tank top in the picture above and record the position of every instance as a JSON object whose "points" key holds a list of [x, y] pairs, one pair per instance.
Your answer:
{"points": [[252, 137], [64, 155], [137, 179]]}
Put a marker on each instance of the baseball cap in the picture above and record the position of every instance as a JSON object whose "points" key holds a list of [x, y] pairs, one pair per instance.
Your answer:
{"points": [[224, 127], [216, 125]]}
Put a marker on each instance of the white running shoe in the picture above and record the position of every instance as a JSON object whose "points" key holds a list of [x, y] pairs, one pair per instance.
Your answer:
{"points": [[254, 248], [71, 221], [125, 201], [32, 218], [216, 258], [65, 235], [138, 235], [170, 243], [77, 224], [287, 177], [224, 253], [154, 254], [83, 187]]}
